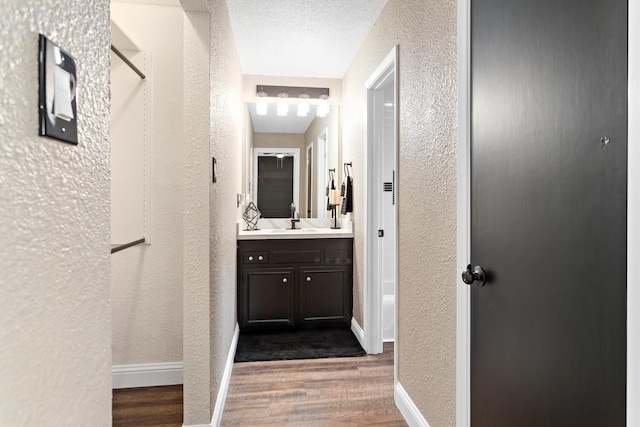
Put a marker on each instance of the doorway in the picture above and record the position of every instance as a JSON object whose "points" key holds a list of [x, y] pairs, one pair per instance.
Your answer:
{"points": [[556, 333], [310, 171], [321, 175], [317, 177], [381, 218], [276, 172]]}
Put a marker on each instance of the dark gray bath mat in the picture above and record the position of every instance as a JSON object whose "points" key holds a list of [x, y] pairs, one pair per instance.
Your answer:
{"points": [[298, 344]]}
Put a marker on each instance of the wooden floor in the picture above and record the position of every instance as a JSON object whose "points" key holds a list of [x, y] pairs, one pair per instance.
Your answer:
{"points": [[148, 406], [353, 391]]}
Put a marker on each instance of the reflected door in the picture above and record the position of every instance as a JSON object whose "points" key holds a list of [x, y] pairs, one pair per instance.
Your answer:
{"points": [[275, 186]]}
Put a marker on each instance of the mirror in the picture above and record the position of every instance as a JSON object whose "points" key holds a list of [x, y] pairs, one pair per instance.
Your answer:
{"points": [[290, 158]]}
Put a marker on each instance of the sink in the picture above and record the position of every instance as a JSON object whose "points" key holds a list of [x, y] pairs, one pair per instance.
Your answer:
{"points": [[289, 230]]}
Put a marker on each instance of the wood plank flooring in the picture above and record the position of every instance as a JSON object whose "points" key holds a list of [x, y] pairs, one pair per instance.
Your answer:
{"points": [[148, 406], [351, 391], [355, 391]]}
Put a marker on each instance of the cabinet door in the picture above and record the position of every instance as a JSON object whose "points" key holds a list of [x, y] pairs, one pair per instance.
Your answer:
{"points": [[325, 295], [268, 298]]}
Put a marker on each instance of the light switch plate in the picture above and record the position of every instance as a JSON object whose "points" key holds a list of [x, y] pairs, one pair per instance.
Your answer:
{"points": [[57, 103]]}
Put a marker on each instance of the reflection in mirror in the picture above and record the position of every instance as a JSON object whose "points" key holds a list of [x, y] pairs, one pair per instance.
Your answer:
{"points": [[279, 147], [276, 189]]}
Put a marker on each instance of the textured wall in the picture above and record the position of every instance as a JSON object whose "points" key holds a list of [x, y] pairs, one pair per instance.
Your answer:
{"points": [[425, 30], [196, 165], [55, 317], [147, 280], [225, 143]]}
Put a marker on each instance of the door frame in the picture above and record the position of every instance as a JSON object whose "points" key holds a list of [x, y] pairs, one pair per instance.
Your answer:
{"points": [[322, 172], [373, 290], [309, 181], [263, 151], [463, 331]]}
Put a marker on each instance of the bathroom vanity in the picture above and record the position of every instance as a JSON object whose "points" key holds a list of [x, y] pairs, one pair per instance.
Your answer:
{"points": [[294, 278]]}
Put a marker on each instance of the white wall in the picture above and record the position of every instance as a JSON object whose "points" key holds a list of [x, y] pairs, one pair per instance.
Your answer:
{"points": [[214, 127], [227, 112], [55, 316], [146, 280], [196, 172]]}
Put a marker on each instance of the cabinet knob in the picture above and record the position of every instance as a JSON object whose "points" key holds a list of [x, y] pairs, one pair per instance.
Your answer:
{"points": [[308, 278], [250, 258], [260, 258], [284, 280]]}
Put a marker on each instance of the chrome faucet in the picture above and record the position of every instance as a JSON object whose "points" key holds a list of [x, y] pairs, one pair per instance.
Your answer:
{"points": [[294, 216]]}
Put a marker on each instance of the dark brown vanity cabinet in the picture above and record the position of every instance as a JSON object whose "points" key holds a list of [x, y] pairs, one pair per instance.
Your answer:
{"points": [[269, 296], [294, 283]]}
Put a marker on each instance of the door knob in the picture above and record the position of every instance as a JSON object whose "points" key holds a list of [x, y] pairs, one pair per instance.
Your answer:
{"points": [[475, 274]]}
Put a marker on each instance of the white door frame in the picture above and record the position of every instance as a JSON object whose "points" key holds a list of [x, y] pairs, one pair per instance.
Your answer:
{"points": [[463, 382], [322, 172], [259, 151], [310, 182], [373, 286]]}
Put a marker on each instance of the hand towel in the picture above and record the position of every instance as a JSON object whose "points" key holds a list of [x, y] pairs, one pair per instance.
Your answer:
{"points": [[347, 194]]}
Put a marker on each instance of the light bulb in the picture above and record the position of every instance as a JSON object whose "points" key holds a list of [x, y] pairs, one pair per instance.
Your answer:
{"points": [[323, 107], [261, 105], [283, 106], [303, 105]]}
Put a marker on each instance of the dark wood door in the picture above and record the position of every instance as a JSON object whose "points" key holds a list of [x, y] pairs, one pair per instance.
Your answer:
{"points": [[268, 295], [548, 212], [275, 186], [325, 295]]}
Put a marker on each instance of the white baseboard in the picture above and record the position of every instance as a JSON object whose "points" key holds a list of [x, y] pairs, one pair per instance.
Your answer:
{"points": [[407, 408], [216, 419], [358, 332], [146, 375]]}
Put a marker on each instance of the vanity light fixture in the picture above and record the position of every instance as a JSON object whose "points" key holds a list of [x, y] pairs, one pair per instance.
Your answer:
{"points": [[323, 107], [261, 105], [283, 106], [303, 105], [302, 96]]}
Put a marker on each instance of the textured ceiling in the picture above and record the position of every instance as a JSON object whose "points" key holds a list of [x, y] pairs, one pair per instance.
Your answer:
{"points": [[303, 38], [175, 3]]}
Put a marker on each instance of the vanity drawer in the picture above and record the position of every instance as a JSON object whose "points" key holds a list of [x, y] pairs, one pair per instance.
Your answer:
{"points": [[296, 256], [337, 255], [255, 257]]}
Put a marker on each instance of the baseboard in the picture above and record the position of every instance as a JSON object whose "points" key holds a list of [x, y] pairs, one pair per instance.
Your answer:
{"points": [[216, 419], [358, 332], [146, 375], [407, 408]]}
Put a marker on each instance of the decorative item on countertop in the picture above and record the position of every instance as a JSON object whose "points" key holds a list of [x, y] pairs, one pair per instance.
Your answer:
{"points": [[251, 216], [331, 185], [334, 200]]}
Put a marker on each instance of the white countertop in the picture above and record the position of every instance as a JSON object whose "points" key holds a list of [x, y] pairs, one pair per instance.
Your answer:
{"points": [[307, 228]]}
